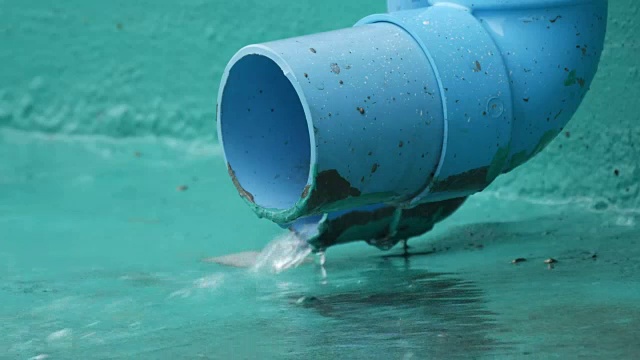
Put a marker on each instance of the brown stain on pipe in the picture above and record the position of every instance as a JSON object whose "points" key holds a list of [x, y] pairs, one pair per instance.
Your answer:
{"points": [[244, 193]]}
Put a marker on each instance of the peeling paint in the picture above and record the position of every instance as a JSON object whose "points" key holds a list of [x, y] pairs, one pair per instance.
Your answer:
{"points": [[244, 193], [475, 179], [355, 225], [305, 192], [518, 159], [471, 180], [521, 157], [329, 187], [422, 218], [372, 226], [546, 138], [497, 165]]}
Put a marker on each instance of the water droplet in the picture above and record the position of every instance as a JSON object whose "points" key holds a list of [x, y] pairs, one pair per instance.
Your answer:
{"points": [[322, 257]]}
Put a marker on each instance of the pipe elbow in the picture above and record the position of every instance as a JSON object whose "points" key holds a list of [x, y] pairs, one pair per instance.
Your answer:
{"points": [[551, 50], [361, 131]]}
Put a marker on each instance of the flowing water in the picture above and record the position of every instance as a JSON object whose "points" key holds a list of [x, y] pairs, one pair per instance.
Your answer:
{"points": [[284, 252]]}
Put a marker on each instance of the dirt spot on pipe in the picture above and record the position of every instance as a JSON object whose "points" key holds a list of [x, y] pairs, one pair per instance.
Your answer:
{"points": [[374, 167], [498, 163], [546, 138], [477, 67], [330, 187], [555, 19], [244, 193], [335, 68], [312, 50], [557, 115]]}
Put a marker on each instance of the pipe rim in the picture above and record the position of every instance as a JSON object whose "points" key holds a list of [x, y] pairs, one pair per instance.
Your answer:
{"points": [[280, 214]]}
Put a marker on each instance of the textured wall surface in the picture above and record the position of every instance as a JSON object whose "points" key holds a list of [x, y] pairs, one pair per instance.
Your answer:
{"points": [[127, 68], [130, 68]]}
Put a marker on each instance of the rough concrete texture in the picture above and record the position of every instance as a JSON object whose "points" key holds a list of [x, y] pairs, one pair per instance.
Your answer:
{"points": [[124, 68]]}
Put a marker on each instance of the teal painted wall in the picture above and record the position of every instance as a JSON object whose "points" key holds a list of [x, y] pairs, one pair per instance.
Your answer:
{"points": [[127, 68], [135, 68]]}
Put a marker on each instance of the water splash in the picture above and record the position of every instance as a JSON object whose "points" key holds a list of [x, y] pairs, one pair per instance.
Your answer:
{"points": [[210, 282], [284, 252]]}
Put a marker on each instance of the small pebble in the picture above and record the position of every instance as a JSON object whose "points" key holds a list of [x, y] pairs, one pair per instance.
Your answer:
{"points": [[182, 188], [518, 260]]}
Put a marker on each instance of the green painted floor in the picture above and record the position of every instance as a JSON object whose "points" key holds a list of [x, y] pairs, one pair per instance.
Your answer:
{"points": [[101, 247]]}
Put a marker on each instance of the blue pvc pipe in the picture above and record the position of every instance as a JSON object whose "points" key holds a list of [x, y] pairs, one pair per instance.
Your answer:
{"points": [[405, 114]]}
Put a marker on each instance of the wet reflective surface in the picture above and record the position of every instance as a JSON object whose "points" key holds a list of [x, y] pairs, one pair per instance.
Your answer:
{"points": [[102, 249]]}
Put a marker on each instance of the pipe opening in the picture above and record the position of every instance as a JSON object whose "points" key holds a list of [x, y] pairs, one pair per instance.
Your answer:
{"points": [[264, 133]]}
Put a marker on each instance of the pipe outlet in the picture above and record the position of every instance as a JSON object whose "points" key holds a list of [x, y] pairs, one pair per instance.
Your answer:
{"points": [[379, 131]]}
